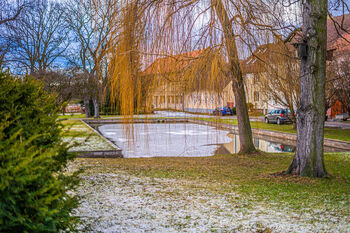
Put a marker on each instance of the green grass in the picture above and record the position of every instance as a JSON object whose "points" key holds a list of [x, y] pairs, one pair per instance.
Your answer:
{"points": [[332, 133], [256, 178], [75, 128], [68, 116]]}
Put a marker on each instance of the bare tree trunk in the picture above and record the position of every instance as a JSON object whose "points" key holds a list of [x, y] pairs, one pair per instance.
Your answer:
{"points": [[96, 108], [308, 159], [87, 107], [244, 129]]}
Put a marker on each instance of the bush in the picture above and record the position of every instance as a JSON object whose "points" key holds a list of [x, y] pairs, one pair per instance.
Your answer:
{"points": [[28, 107], [33, 187]]}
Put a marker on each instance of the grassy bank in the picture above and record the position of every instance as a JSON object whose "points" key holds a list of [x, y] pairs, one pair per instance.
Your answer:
{"points": [[81, 137], [332, 133]]}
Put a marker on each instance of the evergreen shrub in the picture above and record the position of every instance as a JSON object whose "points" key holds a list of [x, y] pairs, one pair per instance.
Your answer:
{"points": [[34, 189]]}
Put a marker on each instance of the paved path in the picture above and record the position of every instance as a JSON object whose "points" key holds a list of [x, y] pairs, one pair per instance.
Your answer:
{"points": [[338, 124]]}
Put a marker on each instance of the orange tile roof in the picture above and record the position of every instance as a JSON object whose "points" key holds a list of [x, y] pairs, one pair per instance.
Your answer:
{"points": [[266, 53], [337, 28], [173, 63]]}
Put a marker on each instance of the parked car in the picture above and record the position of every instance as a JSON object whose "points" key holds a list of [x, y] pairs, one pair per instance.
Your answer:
{"points": [[343, 116], [278, 116], [223, 111]]}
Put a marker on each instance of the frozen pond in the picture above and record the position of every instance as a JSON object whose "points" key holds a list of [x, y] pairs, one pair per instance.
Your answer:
{"points": [[160, 140], [179, 140]]}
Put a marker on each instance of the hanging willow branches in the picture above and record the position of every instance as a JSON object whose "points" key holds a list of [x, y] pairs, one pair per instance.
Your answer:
{"points": [[195, 45]]}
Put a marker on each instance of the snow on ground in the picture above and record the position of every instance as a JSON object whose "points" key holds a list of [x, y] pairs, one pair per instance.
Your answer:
{"points": [[90, 143], [120, 202]]}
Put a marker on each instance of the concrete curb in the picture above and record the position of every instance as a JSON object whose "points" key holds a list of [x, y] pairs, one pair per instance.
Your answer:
{"points": [[100, 154], [262, 132]]}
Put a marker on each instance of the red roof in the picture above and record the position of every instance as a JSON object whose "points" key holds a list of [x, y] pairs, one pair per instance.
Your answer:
{"points": [[172, 63], [264, 54], [338, 28]]}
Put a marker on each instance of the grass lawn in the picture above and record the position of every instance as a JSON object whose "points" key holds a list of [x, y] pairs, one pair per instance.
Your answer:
{"points": [[251, 185], [252, 175], [332, 133], [81, 137]]}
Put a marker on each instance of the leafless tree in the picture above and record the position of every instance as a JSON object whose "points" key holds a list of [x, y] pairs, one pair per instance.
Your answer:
{"points": [[38, 37], [9, 11], [65, 84], [308, 159], [91, 24], [279, 79], [338, 81]]}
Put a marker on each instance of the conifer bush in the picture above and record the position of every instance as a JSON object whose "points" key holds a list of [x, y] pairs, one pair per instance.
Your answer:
{"points": [[33, 188]]}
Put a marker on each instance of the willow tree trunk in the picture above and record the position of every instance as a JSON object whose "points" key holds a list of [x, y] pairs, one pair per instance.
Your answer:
{"points": [[308, 159], [244, 128]]}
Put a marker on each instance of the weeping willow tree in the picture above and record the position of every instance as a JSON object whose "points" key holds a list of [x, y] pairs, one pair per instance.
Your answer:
{"points": [[127, 84], [220, 30]]}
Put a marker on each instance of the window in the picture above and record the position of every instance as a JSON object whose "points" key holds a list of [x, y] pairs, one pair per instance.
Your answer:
{"points": [[168, 100], [162, 99]]}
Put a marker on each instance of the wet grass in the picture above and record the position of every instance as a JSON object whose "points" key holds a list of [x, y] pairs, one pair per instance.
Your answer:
{"points": [[256, 178], [332, 133]]}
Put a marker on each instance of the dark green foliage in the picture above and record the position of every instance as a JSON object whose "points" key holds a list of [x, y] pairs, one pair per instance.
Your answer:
{"points": [[27, 106], [33, 187], [234, 110]]}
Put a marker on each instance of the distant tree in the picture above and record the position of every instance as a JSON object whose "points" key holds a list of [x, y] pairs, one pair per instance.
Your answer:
{"points": [[280, 80], [10, 10], [91, 24], [38, 37], [64, 84], [338, 81]]}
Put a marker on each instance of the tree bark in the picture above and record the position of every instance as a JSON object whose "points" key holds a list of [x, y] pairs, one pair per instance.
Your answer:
{"points": [[244, 128], [87, 107], [96, 108], [308, 159]]}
